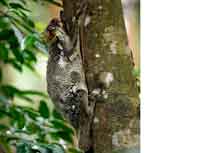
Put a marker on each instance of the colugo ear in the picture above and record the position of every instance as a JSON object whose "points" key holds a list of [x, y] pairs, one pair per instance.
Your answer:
{"points": [[64, 23], [62, 16]]}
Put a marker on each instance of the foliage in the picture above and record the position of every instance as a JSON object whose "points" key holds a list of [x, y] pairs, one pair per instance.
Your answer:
{"points": [[136, 74], [28, 147], [30, 130]]}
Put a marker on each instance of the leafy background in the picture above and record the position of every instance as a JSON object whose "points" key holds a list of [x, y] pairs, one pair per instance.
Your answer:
{"points": [[28, 122]]}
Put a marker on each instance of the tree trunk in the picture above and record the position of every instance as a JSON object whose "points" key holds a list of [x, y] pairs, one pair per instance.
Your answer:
{"points": [[107, 59]]}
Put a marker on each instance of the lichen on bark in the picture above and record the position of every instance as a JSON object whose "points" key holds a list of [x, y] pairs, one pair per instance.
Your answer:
{"points": [[104, 46], [116, 122]]}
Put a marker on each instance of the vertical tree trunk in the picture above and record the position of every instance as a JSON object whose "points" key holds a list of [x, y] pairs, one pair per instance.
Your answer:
{"points": [[107, 58]]}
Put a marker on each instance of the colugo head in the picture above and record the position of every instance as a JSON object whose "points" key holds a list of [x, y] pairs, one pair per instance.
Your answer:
{"points": [[50, 32]]}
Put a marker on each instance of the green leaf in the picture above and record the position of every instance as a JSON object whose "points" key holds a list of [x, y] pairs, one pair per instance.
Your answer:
{"points": [[29, 22], [13, 42], [10, 137], [18, 6], [7, 33], [33, 128], [59, 124], [3, 52], [22, 148], [28, 99], [4, 24], [17, 116], [74, 150], [43, 109], [3, 127], [29, 55], [22, 24], [21, 121], [4, 2], [55, 148], [23, 17], [15, 64], [4, 112], [136, 72], [30, 66], [30, 147], [57, 115], [33, 93], [9, 91], [65, 135], [31, 113], [41, 136], [28, 41], [40, 150], [18, 55], [3, 99]]}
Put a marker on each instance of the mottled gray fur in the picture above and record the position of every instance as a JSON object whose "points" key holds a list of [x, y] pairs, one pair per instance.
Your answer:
{"points": [[67, 88]]}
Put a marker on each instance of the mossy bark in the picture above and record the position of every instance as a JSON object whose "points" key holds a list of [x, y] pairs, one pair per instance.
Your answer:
{"points": [[116, 122], [104, 46]]}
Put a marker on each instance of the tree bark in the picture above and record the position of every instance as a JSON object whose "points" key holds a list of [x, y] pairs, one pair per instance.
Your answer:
{"points": [[107, 58]]}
